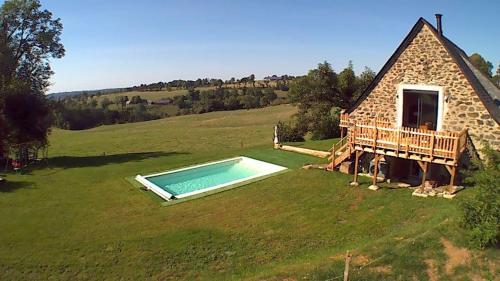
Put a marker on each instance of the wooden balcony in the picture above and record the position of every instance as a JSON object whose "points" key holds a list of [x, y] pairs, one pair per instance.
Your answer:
{"points": [[378, 136], [424, 145]]}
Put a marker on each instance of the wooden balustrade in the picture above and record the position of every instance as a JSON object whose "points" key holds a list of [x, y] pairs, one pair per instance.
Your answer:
{"points": [[344, 120], [405, 141], [379, 136]]}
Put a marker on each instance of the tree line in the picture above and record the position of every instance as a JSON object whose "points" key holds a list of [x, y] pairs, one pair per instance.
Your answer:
{"points": [[79, 115], [86, 111], [280, 83], [224, 99]]}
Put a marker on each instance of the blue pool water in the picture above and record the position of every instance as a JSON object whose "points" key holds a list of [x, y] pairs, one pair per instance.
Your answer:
{"points": [[195, 179]]}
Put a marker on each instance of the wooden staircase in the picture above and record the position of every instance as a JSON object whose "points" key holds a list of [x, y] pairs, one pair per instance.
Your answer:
{"points": [[340, 152]]}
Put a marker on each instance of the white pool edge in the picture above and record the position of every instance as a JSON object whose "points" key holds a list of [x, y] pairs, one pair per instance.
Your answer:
{"points": [[272, 169]]}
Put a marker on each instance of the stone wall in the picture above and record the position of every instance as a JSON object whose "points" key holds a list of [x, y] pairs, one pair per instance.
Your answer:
{"points": [[426, 62]]}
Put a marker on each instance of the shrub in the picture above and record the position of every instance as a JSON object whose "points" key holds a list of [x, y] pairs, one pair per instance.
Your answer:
{"points": [[284, 88], [249, 101], [289, 133], [481, 212], [324, 124]]}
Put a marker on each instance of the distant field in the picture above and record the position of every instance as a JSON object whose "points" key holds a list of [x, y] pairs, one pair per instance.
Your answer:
{"points": [[158, 95], [79, 218], [149, 95]]}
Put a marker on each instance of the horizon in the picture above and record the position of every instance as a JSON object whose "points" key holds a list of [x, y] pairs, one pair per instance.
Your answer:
{"points": [[121, 44]]}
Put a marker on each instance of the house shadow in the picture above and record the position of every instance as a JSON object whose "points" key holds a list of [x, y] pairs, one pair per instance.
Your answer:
{"points": [[67, 162]]}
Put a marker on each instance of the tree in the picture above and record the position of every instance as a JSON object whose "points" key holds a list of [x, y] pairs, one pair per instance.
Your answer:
{"points": [[33, 37], [347, 85], [29, 37], [480, 63], [363, 81], [249, 101], [193, 95], [105, 102], [93, 103], [319, 86], [268, 96], [136, 100], [219, 83], [481, 212], [496, 77], [244, 80], [122, 101], [251, 78], [321, 93], [26, 115]]}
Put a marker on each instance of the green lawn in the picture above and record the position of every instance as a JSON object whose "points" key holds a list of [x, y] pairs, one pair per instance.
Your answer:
{"points": [[79, 219]]}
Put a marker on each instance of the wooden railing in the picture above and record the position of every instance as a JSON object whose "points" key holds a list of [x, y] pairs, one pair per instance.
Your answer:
{"points": [[345, 122], [404, 141], [337, 146]]}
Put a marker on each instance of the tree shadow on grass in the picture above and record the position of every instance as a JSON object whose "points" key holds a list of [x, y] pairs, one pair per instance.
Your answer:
{"points": [[10, 186], [101, 160]]}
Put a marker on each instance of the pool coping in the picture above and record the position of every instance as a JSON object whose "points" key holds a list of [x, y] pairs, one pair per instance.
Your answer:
{"points": [[208, 191]]}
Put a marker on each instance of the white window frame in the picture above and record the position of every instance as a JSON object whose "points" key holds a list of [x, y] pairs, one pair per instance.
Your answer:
{"points": [[438, 89]]}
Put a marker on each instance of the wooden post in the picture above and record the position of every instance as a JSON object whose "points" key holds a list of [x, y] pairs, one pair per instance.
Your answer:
{"points": [[423, 166], [375, 171], [341, 133], [452, 170], [455, 149], [346, 268], [353, 135], [452, 176], [355, 180], [398, 142]]}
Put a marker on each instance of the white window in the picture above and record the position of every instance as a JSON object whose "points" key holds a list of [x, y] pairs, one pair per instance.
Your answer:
{"points": [[420, 106]]}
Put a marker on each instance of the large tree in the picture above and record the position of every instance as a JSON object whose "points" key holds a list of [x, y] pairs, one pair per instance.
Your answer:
{"points": [[363, 81], [483, 65], [347, 85], [320, 95], [316, 94], [29, 38]]}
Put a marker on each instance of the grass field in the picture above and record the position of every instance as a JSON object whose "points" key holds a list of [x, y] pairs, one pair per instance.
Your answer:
{"points": [[79, 219], [158, 95], [149, 95]]}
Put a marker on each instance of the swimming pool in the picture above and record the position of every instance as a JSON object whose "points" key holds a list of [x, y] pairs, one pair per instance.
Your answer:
{"points": [[193, 180]]}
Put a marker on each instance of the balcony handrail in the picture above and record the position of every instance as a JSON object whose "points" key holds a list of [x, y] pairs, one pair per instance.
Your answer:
{"points": [[380, 134]]}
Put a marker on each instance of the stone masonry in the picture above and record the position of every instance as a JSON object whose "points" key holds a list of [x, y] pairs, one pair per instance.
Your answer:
{"points": [[426, 62]]}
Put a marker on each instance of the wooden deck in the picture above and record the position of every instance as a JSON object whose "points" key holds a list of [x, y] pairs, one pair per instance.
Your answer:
{"points": [[378, 136]]}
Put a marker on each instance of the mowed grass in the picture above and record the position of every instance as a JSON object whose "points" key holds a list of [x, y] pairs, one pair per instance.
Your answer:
{"points": [[79, 219]]}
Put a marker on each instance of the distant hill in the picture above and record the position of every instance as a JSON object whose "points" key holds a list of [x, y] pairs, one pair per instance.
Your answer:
{"points": [[274, 81], [61, 95]]}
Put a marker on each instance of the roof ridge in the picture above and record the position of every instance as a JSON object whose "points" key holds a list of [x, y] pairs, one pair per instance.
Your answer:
{"points": [[457, 55], [401, 47], [480, 86]]}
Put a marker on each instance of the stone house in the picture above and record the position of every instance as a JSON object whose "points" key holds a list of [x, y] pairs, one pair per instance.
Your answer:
{"points": [[430, 83], [428, 63]]}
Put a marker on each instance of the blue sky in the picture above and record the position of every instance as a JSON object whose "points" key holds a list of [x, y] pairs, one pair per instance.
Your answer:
{"points": [[124, 43]]}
